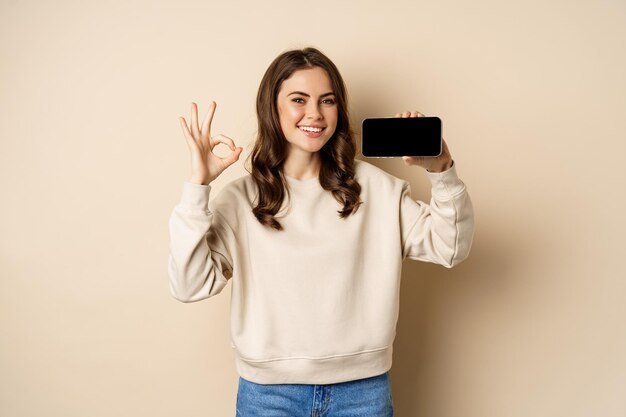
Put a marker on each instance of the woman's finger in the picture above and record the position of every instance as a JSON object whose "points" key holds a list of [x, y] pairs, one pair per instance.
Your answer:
{"points": [[233, 157], [195, 130], [206, 125], [225, 140], [409, 114], [183, 125], [186, 133]]}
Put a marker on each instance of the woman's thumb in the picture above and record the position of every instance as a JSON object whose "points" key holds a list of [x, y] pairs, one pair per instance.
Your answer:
{"points": [[234, 156]]}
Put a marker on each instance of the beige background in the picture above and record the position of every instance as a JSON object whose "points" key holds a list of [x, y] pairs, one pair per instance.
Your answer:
{"points": [[532, 95]]}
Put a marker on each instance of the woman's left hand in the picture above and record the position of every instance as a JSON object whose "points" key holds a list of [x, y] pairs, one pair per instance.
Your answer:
{"points": [[439, 163]]}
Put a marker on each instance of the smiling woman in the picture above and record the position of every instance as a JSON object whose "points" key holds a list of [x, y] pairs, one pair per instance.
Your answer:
{"points": [[304, 132], [314, 300]]}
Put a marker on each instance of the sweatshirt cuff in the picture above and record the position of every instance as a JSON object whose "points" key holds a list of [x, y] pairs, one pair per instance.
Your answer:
{"points": [[446, 184], [195, 196]]}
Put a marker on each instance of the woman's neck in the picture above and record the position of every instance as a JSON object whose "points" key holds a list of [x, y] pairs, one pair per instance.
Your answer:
{"points": [[302, 167]]}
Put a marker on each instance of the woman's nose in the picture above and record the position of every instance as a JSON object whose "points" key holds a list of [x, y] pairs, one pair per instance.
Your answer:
{"points": [[314, 112]]}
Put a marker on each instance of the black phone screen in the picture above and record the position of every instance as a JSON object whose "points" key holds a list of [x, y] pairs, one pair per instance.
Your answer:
{"points": [[401, 136]]}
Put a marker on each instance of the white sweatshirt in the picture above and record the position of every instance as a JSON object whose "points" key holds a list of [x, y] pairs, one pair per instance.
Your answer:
{"points": [[315, 303]]}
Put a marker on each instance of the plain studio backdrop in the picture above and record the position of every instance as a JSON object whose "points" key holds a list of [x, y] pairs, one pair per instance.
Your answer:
{"points": [[532, 96]]}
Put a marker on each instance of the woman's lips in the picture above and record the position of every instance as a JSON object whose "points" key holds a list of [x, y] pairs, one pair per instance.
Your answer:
{"points": [[312, 134]]}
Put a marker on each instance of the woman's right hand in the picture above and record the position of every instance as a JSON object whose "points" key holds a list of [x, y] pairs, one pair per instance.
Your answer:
{"points": [[205, 165]]}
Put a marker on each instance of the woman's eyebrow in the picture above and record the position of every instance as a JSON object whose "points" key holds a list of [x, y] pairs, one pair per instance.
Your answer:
{"points": [[306, 95]]}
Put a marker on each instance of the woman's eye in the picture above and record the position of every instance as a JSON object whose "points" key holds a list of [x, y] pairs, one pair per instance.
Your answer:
{"points": [[301, 100]]}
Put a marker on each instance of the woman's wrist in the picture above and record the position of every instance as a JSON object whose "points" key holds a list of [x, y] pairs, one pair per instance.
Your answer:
{"points": [[199, 181], [441, 167]]}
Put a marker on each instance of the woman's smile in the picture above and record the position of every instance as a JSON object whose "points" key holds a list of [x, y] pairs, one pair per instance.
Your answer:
{"points": [[312, 132]]}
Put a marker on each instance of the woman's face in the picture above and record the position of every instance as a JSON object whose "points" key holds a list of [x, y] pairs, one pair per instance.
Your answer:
{"points": [[306, 103]]}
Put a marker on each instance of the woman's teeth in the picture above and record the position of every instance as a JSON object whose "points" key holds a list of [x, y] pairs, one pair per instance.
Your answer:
{"points": [[311, 129]]}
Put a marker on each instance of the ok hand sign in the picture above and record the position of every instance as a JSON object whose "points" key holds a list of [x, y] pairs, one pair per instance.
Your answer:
{"points": [[205, 165]]}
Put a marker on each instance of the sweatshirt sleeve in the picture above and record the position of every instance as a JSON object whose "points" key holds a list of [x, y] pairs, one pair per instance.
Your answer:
{"points": [[199, 264], [441, 232]]}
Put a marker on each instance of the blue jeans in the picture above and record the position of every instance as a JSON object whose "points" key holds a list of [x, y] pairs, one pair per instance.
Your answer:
{"points": [[368, 397]]}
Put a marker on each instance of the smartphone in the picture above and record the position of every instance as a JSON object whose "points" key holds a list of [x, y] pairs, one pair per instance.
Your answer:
{"points": [[386, 137]]}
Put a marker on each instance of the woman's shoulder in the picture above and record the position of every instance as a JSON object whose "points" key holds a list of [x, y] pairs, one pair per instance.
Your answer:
{"points": [[237, 194], [368, 174]]}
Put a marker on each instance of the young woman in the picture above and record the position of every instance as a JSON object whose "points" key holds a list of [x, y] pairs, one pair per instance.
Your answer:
{"points": [[313, 242]]}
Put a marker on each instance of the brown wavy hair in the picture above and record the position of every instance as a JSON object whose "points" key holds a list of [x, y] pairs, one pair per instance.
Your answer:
{"points": [[270, 149]]}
